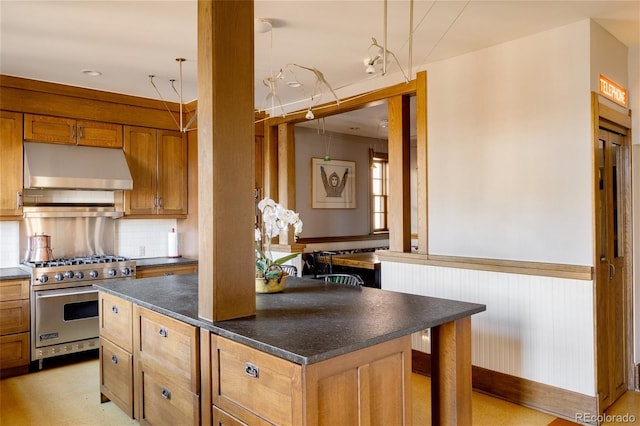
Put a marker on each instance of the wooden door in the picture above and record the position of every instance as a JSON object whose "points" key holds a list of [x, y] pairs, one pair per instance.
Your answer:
{"points": [[11, 164], [172, 173], [141, 152], [611, 245]]}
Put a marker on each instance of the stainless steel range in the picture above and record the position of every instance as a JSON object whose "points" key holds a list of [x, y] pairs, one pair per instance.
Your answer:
{"points": [[64, 305]]}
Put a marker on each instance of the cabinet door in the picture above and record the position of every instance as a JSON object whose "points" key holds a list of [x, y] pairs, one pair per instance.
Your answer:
{"points": [[141, 153], [106, 135], [172, 173], [43, 128], [11, 164]]}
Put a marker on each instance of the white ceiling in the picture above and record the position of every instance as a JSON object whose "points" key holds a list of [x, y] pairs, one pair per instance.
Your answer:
{"points": [[128, 40]]}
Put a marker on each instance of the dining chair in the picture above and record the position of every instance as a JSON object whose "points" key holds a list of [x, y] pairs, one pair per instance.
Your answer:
{"points": [[322, 262], [291, 270], [348, 279]]}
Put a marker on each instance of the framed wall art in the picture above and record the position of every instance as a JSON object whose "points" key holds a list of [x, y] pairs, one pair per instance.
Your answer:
{"points": [[333, 184]]}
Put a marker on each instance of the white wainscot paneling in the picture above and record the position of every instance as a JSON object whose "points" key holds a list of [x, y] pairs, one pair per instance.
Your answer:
{"points": [[536, 328]]}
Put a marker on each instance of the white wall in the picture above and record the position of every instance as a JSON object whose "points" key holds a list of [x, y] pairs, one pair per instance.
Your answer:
{"points": [[10, 255], [510, 177], [510, 152]]}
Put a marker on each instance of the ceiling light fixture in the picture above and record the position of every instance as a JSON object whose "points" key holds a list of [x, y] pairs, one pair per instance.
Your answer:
{"points": [[262, 25], [92, 73], [172, 81], [309, 115]]}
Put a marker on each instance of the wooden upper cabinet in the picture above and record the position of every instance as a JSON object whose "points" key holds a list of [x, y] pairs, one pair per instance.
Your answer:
{"points": [[172, 173], [158, 163], [11, 165], [42, 128]]}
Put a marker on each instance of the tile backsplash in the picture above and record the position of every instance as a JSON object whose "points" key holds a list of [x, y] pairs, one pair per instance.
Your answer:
{"points": [[135, 238], [9, 244]]}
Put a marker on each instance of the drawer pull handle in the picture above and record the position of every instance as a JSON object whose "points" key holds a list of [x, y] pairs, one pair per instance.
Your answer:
{"points": [[114, 359], [166, 393], [251, 370], [163, 332], [114, 309], [168, 274]]}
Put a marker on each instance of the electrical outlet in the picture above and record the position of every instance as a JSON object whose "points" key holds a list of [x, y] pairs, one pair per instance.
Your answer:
{"points": [[141, 251]]}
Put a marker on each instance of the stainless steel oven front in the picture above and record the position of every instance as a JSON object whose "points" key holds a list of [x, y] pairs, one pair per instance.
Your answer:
{"points": [[65, 320], [64, 303]]}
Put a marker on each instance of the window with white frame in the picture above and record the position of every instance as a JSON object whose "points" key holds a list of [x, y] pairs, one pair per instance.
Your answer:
{"points": [[379, 192]]}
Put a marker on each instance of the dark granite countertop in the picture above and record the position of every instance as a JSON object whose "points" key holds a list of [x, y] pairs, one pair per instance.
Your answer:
{"points": [[163, 261], [309, 322], [13, 273]]}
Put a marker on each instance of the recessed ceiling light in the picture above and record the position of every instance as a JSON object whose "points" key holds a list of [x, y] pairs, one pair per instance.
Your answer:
{"points": [[294, 84], [92, 73]]}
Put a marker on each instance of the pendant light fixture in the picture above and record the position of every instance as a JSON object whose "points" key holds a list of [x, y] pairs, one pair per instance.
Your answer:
{"points": [[182, 128]]}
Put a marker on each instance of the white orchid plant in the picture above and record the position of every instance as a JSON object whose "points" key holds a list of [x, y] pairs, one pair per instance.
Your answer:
{"points": [[275, 219]]}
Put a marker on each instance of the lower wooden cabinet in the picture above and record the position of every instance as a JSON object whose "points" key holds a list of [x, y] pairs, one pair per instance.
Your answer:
{"points": [[167, 369], [149, 363], [369, 386], [14, 326]]}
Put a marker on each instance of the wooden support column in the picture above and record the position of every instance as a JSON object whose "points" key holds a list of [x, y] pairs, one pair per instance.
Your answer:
{"points": [[451, 373], [225, 149], [399, 174], [422, 189], [287, 173]]}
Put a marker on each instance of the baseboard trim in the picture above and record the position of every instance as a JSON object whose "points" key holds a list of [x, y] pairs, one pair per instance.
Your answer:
{"points": [[559, 402]]}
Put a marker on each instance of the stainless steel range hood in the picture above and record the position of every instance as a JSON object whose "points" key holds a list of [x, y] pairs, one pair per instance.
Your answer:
{"points": [[54, 166]]}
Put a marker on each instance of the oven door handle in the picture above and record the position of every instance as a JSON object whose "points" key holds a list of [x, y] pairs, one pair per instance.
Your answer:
{"points": [[64, 292]]}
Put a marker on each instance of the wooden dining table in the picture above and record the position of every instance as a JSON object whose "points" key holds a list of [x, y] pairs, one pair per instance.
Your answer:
{"points": [[361, 260]]}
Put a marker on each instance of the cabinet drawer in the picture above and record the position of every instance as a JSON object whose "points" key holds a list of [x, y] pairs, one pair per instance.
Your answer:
{"points": [[116, 375], [116, 319], [159, 271], [165, 402], [14, 350], [14, 316], [221, 418], [170, 345], [14, 290], [245, 378]]}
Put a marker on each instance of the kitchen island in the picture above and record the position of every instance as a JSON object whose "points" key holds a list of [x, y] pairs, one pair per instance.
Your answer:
{"points": [[299, 338]]}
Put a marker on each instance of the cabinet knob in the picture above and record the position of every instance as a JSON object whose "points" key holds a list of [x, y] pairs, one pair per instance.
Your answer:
{"points": [[114, 359], [251, 369], [114, 309], [166, 393], [163, 332]]}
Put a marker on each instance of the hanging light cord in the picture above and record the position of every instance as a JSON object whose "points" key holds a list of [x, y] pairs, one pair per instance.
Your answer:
{"points": [[151, 76]]}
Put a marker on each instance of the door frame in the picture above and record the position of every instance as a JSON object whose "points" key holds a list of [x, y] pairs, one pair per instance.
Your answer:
{"points": [[617, 121]]}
